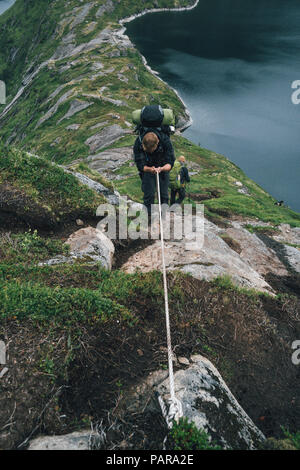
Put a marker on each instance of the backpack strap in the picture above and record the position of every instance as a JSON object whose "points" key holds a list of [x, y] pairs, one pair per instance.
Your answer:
{"points": [[144, 130]]}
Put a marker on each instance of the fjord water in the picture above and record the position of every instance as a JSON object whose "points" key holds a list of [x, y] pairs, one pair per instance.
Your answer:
{"points": [[5, 4], [233, 62]]}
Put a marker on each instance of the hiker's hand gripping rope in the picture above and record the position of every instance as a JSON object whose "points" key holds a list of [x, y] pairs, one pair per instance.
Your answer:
{"points": [[175, 408]]}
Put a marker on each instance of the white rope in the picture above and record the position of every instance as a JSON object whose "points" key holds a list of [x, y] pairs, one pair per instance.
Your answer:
{"points": [[175, 408]]}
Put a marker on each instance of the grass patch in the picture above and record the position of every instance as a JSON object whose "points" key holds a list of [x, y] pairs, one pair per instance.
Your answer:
{"points": [[225, 283], [29, 247], [47, 184], [293, 437], [57, 306], [262, 229]]}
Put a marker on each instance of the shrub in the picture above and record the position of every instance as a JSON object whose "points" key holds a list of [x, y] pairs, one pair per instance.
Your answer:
{"points": [[294, 438], [184, 435]]}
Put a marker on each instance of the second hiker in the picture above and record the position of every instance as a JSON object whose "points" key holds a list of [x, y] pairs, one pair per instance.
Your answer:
{"points": [[179, 176]]}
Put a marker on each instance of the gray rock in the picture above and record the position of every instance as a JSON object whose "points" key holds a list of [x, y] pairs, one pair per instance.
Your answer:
{"points": [[122, 78], [288, 234], [97, 65], [208, 260], [108, 7], [183, 121], [81, 13], [184, 361], [113, 101], [94, 185], [255, 252], [54, 108], [106, 137], [55, 93], [3, 372], [60, 259], [208, 402], [293, 256], [75, 107], [69, 50], [73, 127], [63, 51], [92, 244], [100, 124], [90, 27], [110, 160], [80, 440], [113, 199], [244, 190]]}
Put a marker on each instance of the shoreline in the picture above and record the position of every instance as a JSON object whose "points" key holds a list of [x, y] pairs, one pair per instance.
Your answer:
{"points": [[128, 19]]}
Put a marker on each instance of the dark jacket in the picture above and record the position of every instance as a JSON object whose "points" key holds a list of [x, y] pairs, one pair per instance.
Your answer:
{"points": [[161, 156]]}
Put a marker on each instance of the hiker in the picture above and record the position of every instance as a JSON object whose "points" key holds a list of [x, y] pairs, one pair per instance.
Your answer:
{"points": [[154, 154], [179, 176]]}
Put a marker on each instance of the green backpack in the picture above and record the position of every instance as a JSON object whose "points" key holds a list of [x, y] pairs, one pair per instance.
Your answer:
{"points": [[174, 181]]}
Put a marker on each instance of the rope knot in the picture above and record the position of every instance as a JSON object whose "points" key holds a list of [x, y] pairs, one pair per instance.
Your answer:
{"points": [[175, 410]]}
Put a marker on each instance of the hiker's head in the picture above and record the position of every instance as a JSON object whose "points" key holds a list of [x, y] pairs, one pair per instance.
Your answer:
{"points": [[150, 142], [181, 159]]}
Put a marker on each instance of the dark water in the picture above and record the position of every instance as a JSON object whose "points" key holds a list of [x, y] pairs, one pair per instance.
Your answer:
{"points": [[233, 62], [5, 4]]}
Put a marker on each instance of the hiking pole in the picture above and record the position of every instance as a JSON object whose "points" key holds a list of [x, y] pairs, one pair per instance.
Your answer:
{"points": [[175, 410]]}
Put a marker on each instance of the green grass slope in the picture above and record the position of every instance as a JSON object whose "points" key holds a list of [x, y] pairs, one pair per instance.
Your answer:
{"points": [[108, 78], [40, 192]]}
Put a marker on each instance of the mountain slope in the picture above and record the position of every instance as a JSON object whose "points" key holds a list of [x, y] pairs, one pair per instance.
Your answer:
{"points": [[73, 80], [80, 336]]}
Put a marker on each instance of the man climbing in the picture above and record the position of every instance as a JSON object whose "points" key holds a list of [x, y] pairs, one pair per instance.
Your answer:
{"points": [[153, 153], [179, 176]]}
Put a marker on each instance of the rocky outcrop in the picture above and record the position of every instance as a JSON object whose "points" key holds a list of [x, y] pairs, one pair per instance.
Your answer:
{"points": [[80, 440], [288, 234], [206, 400], [112, 197], [106, 137], [75, 107], [80, 14], [69, 49], [255, 252], [110, 160], [108, 7], [211, 259], [88, 244], [93, 244], [293, 256], [54, 108]]}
